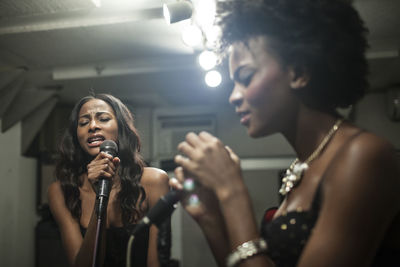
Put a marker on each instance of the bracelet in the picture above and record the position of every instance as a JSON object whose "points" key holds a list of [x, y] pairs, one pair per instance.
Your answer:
{"points": [[245, 251]]}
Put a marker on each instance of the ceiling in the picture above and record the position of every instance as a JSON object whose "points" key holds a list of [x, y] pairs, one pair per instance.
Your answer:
{"points": [[58, 50]]}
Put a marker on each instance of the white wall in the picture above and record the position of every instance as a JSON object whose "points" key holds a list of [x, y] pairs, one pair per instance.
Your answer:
{"points": [[17, 202]]}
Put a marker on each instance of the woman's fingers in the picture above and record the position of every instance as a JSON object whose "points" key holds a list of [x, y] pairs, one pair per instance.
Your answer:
{"points": [[186, 149], [184, 162], [103, 165], [175, 184], [232, 154], [179, 174], [116, 161], [193, 139], [178, 181], [206, 136]]}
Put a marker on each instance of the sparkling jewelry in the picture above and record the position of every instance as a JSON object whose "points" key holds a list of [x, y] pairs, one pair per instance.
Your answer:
{"points": [[189, 184], [295, 172], [245, 251], [193, 200]]}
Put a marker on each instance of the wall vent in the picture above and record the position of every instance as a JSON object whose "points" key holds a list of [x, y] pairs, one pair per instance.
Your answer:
{"points": [[171, 126]]}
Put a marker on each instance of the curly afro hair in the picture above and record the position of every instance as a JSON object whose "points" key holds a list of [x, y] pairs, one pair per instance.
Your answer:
{"points": [[325, 38]]}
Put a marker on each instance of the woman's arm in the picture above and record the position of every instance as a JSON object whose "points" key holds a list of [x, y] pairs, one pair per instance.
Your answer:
{"points": [[155, 183], [206, 213], [216, 167], [79, 251]]}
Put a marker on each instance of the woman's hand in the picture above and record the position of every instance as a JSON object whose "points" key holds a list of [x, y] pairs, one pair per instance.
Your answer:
{"points": [[212, 164], [200, 202], [102, 166], [202, 205]]}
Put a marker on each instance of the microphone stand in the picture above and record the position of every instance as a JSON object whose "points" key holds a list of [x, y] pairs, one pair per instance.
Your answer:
{"points": [[101, 211]]}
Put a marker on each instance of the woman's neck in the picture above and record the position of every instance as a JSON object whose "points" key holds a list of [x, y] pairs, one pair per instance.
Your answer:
{"points": [[308, 130]]}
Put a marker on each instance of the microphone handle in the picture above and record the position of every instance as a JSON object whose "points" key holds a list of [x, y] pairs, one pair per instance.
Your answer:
{"points": [[102, 196]]}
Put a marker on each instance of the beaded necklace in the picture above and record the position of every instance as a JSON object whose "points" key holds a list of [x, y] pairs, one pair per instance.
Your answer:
{"points": [[295, 172]]}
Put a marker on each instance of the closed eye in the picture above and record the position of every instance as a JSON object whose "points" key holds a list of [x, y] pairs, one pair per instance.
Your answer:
{"points": [[246, 80], [244, 75], [105, 119], [83, 123]]}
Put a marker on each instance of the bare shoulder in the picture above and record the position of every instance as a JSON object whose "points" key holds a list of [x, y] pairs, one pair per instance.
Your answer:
{"points": [[368, 164], [54, 192], [370, 149], [154, 176], [155, 183], [369, 142]]}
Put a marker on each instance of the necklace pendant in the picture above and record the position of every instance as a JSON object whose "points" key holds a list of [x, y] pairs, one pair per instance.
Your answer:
{"points": [[292, 177]]}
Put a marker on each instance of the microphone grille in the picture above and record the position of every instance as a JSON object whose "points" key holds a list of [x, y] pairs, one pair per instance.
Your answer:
{"points": [[110, 147]]}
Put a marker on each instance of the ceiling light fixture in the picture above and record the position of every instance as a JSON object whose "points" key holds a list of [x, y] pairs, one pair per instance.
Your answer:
{"points": [[97, 3], [178, 11]]}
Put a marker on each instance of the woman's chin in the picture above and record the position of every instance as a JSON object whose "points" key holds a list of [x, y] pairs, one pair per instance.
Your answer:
{"points": [[93, 152], [253, 133], [257, 132]]}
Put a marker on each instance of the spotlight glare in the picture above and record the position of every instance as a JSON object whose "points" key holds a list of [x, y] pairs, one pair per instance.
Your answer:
{"points": [[207, 60], [97, 3], [191, 35], [166, 14], [213, 78], [205, 11]]}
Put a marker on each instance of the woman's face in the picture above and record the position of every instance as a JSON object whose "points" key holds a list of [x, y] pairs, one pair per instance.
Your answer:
{"points": [[262, 94], [96, 123]]}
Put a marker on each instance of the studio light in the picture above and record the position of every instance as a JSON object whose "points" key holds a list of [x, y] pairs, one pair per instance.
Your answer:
{"points": [[178, 11], [191, 35], [213, 78], [207, 60]]}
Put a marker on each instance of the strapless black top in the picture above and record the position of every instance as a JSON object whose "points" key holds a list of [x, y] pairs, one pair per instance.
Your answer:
{"points": [[116, 244], [287, 235]]}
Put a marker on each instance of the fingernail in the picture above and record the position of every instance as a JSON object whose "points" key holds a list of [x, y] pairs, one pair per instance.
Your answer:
{"points": [[189, 184], [194, 200]]}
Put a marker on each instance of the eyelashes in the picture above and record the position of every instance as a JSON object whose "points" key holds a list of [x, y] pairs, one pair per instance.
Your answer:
{"points": [[244, 75], [83, 123], [247, 80]]}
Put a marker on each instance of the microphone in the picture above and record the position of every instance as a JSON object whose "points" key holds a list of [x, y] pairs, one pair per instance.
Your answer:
{"points": [[104, 188], [161, 210]]}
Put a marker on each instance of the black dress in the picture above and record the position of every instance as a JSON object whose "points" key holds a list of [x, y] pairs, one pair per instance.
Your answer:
{"points": [[116, 244]]}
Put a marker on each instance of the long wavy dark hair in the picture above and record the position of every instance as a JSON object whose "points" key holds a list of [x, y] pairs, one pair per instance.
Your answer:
{"points": [[325, 38], [73, 161]]}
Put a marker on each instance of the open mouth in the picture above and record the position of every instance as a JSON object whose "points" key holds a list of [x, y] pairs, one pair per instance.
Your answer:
{"points": [[244, 117], [95, 140]]}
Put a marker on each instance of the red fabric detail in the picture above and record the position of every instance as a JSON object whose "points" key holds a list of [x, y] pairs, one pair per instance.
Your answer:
{"points": [[269, 214]]}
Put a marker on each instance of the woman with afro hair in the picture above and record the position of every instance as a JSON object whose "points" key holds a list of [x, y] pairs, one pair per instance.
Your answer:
{"points": [[293, 63]]}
